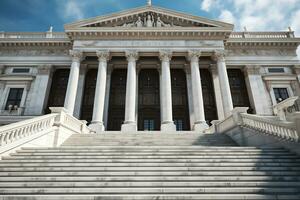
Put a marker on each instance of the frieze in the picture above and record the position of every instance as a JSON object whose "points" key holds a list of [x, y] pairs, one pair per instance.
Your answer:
{"points": [[34, 52], [255, 52]]}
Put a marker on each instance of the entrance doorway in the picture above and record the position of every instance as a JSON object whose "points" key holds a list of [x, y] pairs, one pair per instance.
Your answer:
{"points": [[148, 100]]}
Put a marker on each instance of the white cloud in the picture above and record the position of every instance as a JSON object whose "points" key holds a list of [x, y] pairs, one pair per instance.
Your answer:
{"points": [[72, 10], [227, 16], [207, 4]]}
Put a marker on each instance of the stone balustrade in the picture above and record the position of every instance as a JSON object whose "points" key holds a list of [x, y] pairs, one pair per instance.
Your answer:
{"points": [[19, 130], [279, 129], [43, 124], [269, 125], [35, 35], [263, 35]]}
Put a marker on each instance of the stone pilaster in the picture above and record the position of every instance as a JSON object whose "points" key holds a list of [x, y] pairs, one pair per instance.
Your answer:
{"points": [[297, 71], [219, 56], [167, 123], [2, 68], [131, 93], [217, 89], [77, 57], [258, 94], [99, 100], [200, 123]]}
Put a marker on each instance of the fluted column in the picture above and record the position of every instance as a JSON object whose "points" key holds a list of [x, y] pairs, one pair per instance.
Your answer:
{"points": [[167, 123], [131, 92], [224, 83], [99, 100], [200, 123], [69, 104]]}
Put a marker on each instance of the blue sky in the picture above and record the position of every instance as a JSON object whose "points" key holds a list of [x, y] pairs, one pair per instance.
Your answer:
{"points": [[254, 15], [39, 15]]}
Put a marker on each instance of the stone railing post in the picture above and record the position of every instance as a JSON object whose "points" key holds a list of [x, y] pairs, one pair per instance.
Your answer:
{"points": [[236, 114]]}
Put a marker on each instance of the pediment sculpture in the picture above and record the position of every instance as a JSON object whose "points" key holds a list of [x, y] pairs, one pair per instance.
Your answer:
{"points": [[148, 20]]}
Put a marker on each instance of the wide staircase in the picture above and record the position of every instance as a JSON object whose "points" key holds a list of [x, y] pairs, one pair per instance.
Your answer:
{"points": [[150, 166]]}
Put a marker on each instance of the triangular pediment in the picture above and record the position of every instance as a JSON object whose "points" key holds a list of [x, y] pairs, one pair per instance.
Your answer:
{"points": [[148, 17]]}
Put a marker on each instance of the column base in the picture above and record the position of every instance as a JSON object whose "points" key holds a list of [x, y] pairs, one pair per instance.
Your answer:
{"points": [[168, 126], [200, 126], [98, 127], [129, 127]]}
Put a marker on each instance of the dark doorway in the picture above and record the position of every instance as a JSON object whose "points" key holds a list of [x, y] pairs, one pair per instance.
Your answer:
{"points": [[238, 89], [209, 101], [89, 95], [149, 100], [116, 110], [58, 89], [179, 100]]}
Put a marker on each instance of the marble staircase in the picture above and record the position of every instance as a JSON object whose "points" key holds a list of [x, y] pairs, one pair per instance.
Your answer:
{"points": [[150, 166]]}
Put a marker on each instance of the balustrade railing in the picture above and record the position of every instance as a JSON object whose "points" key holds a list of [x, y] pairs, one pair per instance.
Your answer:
{"points": [[262, 35], [279, 129], [43, 124], [13, 132], [33, 35]]}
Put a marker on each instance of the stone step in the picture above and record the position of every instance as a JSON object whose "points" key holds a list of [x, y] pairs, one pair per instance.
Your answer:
{"points": [[151, 173], [204, 178], [140, 184], [56, 157], [152, 169], [150, 153], [155, 196], [153, 190], [170, 164], [154, 160]]}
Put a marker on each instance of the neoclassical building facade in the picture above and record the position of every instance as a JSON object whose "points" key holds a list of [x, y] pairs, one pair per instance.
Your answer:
{"points": [[147, 68]]}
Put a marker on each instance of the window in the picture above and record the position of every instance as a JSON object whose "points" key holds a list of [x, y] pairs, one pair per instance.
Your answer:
{"points": [[148, 124], [20, 70], [14, 97], [281, 94], [179, 124], [276, 70]]}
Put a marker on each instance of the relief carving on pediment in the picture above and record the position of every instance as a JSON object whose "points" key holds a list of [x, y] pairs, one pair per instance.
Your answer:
{"points": [[148, 20]]}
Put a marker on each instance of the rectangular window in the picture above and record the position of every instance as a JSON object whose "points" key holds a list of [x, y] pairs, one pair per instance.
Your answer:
{"points": [[14, 98], [276, 70], [148, 124], [20, 70], [281, 94]]}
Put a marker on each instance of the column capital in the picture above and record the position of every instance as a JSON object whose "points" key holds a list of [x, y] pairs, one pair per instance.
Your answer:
{"points": [[193, 55], [219, 55], [132, 55], [165, 55], [103, 55], [252, 70], [77, 55]]}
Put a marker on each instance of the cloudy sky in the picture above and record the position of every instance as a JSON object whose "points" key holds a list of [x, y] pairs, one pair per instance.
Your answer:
{"points": [[255, 15]]}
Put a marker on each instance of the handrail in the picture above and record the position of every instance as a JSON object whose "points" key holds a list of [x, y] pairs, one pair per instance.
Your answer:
{"points": [[279, 129]]}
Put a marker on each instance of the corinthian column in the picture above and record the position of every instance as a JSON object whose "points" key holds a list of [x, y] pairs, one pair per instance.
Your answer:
{"points": [[167, 123], [130, 108], [97, 121], [224, 82], [200, 123], [69, 105]]}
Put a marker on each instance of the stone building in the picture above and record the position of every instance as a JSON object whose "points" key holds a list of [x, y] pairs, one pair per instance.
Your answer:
{"points": [[147, 68]]}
